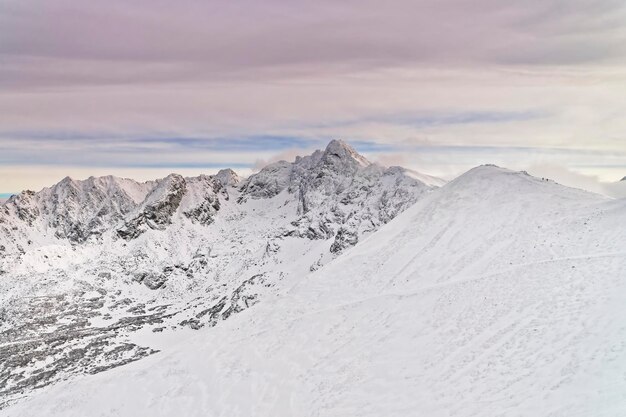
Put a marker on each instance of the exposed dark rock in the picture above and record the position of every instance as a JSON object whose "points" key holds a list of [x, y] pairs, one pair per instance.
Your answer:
{"points": [[56, 338], [154, 281], [157, 210], [205, 212], [343, 239], [25, 206], [139, 276], [269, 182]]}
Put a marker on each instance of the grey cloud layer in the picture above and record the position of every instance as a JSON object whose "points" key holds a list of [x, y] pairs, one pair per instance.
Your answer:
{"points": [[70, 42]]}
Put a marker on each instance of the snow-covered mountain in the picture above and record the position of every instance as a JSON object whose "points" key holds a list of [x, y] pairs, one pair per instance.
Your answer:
{"points": [[496, 294], [88, 267], [71, 211]]}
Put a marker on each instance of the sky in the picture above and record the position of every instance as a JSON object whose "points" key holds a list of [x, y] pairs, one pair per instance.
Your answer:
{"points": [[143, 88]]}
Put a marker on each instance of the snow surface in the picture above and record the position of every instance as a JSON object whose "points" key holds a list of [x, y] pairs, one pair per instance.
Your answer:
{"points": [[498, 294]]}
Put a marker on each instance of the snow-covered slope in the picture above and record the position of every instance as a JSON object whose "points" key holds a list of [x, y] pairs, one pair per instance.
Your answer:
{"points": [[616, 189], [498, 294], [87, 266]]}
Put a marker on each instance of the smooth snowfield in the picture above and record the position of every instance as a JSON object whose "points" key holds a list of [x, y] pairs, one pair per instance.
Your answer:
{"points": [[498, 294]]}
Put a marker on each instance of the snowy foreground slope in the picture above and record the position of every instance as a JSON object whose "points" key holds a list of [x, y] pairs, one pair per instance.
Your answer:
{"points": [[498, 294]]}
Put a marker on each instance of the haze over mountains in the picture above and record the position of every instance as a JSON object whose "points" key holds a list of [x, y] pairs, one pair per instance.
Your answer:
{"points": [[330, 286]]}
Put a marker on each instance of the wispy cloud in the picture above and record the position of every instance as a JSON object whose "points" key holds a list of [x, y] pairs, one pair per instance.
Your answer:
{"points": [[433, 119], [156, 41]]}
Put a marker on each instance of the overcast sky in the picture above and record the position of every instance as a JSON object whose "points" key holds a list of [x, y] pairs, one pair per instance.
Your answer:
{"points": [[142, 88]]}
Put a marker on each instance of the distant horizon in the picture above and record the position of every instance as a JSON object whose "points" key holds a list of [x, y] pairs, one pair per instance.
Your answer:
{"points": [[555, 173]]}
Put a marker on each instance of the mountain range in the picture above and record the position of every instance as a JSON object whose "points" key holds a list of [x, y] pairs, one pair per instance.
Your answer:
{"points": [[87, 264], [327, 286]]}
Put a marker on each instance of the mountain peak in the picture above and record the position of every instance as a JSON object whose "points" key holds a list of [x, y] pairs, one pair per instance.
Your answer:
{"points": [[66, 180], [623, 179], [338, 149], [336, 144], [227, 177]]}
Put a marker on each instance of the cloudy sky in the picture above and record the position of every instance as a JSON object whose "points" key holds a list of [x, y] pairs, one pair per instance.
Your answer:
{"points": [[142, 88]]}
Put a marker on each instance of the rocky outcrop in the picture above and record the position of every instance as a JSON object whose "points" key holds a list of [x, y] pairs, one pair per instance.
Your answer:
{"points": [[243, 297], [269, 182], [344, 238], [227, 178], [204, 213], [157, 210], [203, 196], [25, 206]]}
